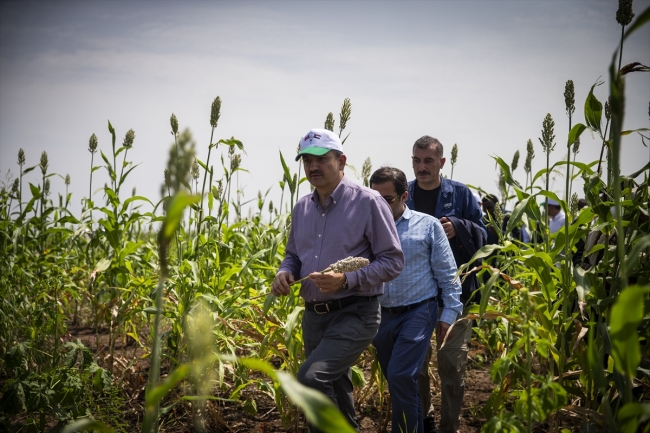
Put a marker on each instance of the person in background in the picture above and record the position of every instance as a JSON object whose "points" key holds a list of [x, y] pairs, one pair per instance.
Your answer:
{"points": [[340, 219], [409, 308], [556, 215], [489, 202], [454, 205]]}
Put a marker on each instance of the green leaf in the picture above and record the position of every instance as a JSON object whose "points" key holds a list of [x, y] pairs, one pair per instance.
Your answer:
{"points": [[159, 392], [575, 132], [626, 315], [287, 172], [232, 142], [593, 109], [318, 408], [175, 213], [102, 265], [631, 415], [358, 379], [633, 257], [87, 424], [36, 191]]}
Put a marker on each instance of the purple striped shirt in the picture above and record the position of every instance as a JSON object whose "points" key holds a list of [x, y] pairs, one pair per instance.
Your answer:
{"points": [[356, 222]]}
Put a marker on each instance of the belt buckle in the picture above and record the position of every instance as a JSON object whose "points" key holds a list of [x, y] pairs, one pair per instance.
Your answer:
{"points": [[327, 308]]}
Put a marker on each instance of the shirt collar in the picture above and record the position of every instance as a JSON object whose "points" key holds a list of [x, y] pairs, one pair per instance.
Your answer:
{"points": [[408, 213]]}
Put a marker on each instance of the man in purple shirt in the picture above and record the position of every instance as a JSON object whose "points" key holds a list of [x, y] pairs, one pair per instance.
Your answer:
{"points": [[338, 220]]}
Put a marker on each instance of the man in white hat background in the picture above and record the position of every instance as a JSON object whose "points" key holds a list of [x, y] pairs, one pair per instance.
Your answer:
{"points": [[339, 219], [556, 216]]}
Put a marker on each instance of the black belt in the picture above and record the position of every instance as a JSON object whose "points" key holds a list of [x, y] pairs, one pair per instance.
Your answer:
{"points": [[405, 308], [337, 304]]}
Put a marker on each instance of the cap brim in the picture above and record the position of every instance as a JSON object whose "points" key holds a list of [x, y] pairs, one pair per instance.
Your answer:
{"points": [[313, 150]]}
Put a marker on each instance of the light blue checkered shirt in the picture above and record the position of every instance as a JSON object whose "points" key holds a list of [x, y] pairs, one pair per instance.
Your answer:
{"points": [[429, 265]]}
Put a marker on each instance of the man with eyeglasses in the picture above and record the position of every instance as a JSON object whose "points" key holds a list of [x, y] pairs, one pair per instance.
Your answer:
{"points": [[409, 307], [454, 205], [339, 219]]}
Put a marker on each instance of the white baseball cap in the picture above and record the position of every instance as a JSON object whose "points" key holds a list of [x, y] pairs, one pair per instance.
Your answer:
{"points": [[551, 202], [318, 142]]}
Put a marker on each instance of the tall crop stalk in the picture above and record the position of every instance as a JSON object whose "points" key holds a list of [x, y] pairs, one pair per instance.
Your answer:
{"points": [[21, 163], [569, 101], [548, 144], [173, 121], [624, 17], [530, 154], [43, 166], [215, 114]]}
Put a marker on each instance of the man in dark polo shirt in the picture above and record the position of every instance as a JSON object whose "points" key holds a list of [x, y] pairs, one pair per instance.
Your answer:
{"points": [[338, 220]]}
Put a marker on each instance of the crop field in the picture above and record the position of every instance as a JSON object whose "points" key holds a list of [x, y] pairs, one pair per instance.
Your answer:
{"points": [[155, 314]]}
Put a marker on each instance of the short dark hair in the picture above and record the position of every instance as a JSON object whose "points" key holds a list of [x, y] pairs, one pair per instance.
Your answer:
{"points": [[390, 174], [426, 142], [582, 203], [490, 197]]}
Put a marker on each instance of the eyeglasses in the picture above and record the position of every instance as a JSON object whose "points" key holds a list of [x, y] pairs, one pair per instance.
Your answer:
{"points": [[390, 200]]}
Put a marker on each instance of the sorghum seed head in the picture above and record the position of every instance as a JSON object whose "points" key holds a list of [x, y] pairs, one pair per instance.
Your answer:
{"points": [[168, 179], [133, 192], [43, 163], [235, 162], [366, 170], [128, 139], [195, 170], [498, 215], [329, 122], [46, 187], [92, 144], [574, 204], [515, 161], [67, 179], [530, 154], [15, 186], [21, 157], [215, 112], [349, 264], [346, 112], [271, 206], [454, 154], [624, 13], [576, 146], [608, 109], [174, 123], [569, 97], [548, 138]]}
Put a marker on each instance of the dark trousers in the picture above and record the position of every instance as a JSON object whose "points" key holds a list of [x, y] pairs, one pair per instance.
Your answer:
{"points": [[402, 343], [452, 364], [333, 343]]}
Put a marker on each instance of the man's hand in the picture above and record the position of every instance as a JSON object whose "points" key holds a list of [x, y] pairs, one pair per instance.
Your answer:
{"points": [[328, 282], [450, 231], [282, 283], [441, 331]]}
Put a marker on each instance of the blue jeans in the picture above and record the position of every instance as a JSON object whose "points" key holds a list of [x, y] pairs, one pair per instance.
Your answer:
{"points": [[333, 343], [402, 343]]}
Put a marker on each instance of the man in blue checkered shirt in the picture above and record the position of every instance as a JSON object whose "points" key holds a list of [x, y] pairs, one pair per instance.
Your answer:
{"points": [[409, 309]]}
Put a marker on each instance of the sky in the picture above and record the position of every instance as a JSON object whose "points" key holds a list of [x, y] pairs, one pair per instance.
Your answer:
{"points": [[479, 74]]}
